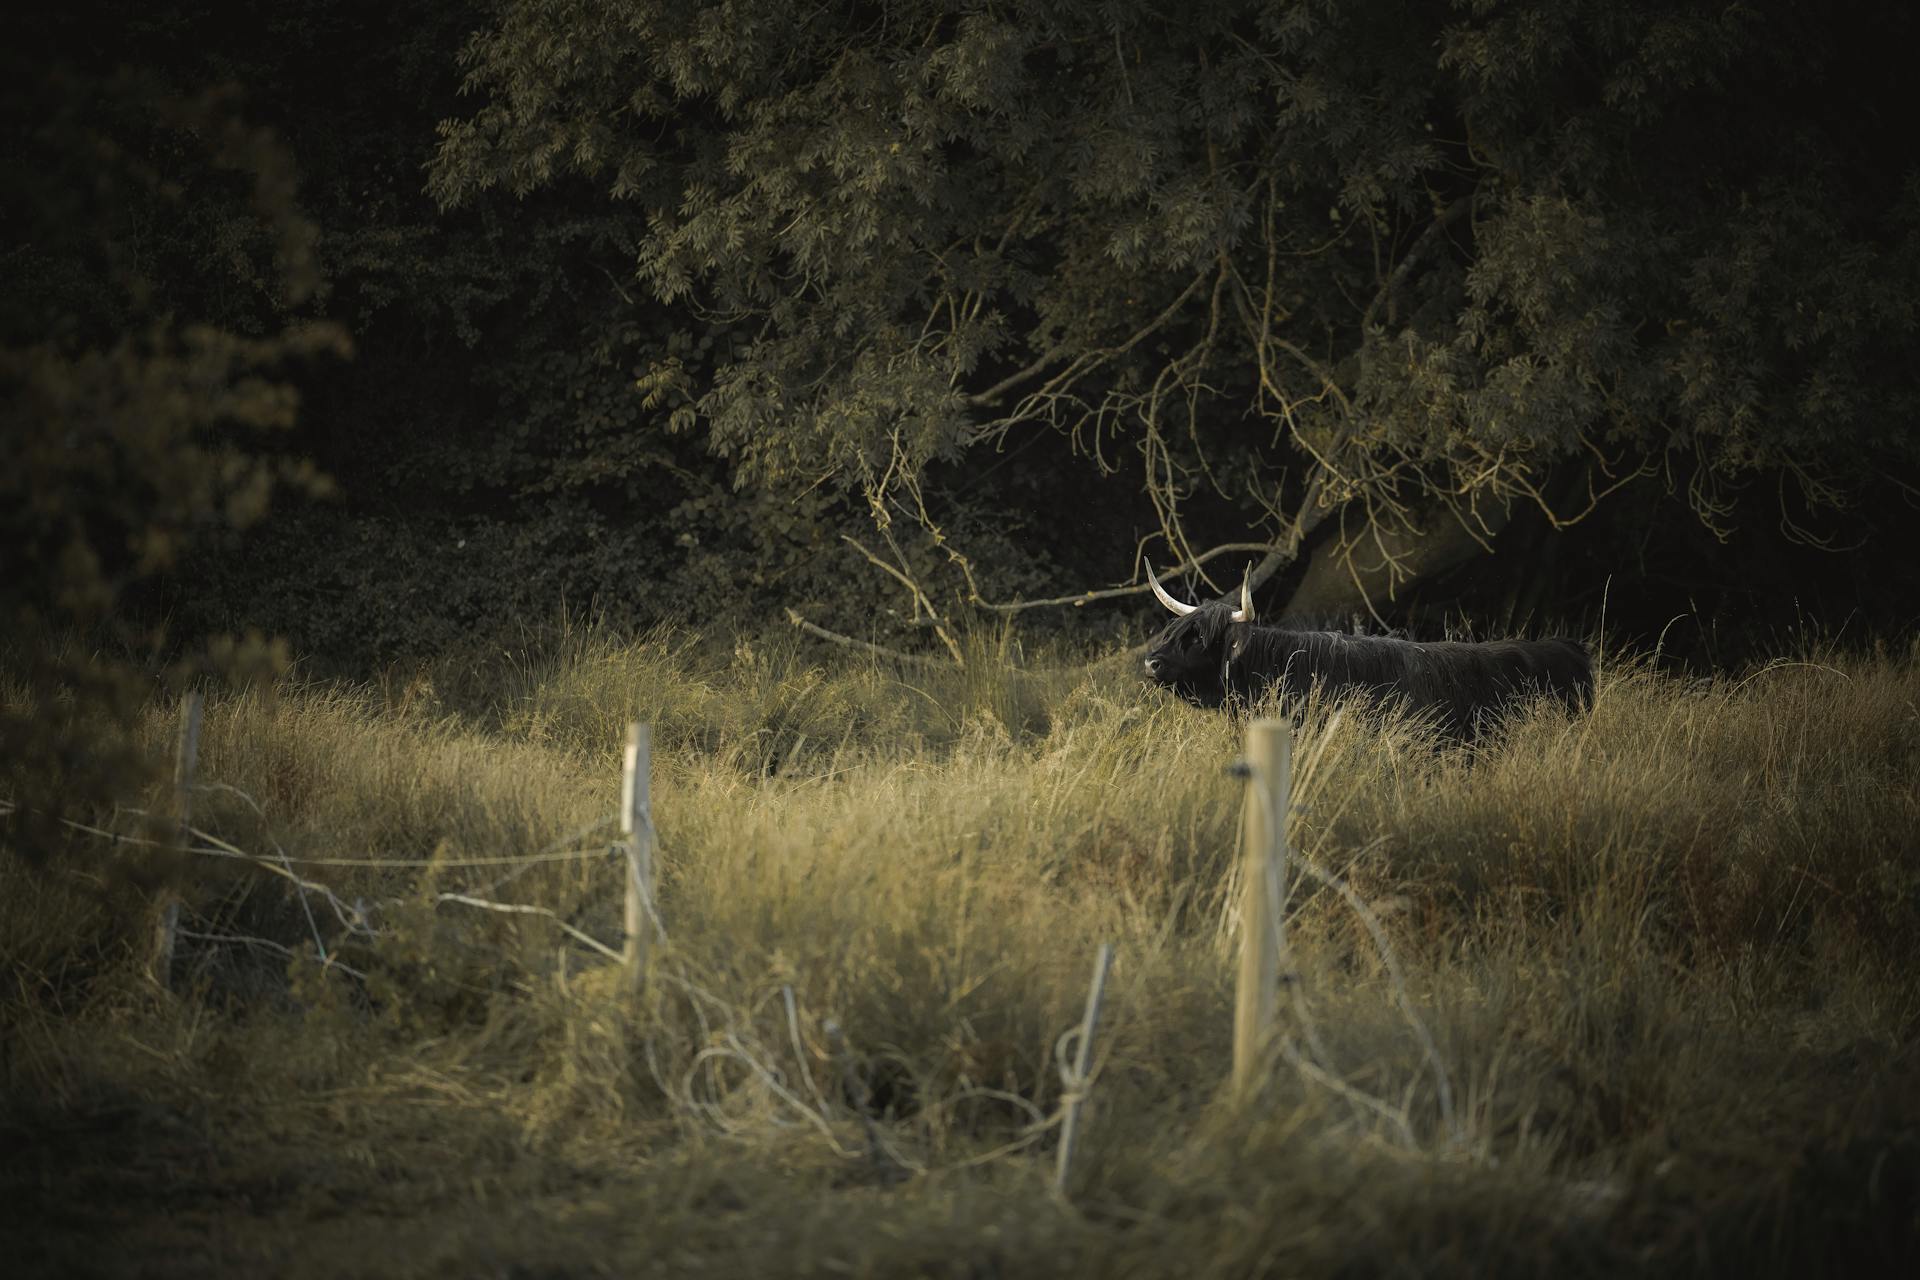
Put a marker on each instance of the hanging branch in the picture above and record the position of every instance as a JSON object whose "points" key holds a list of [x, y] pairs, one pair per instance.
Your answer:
{"points": [[1081, 365], [920, 598], [1428, 238], [1114, 593]]}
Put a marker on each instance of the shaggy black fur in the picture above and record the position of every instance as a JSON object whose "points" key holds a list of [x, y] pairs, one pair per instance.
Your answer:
{"points": [[1208, 658]]}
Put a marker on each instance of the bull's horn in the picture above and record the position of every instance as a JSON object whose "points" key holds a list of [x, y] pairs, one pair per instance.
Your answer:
{"points": [[1181, 609], [1245, 612]]}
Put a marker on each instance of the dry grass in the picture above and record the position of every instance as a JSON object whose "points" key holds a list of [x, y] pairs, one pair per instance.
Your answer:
{"points": [[1662, 955]]}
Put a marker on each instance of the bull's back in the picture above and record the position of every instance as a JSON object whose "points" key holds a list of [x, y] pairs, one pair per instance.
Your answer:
{"points": [[1458, 684], [1464, 683], [1565, 669]]}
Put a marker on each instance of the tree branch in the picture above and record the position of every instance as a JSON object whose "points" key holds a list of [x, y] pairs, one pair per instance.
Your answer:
{"points": [[920, 598], [1113, 593], [1092, 358], [880, 651], [1428, 238]]}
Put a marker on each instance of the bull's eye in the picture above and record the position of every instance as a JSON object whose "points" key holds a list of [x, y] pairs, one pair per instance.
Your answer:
{"points": [[1189, 640]]}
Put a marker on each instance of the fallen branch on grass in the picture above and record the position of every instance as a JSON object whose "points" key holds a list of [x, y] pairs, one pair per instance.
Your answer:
{"points": [[881, 651], [327, 962], [525, 909]]}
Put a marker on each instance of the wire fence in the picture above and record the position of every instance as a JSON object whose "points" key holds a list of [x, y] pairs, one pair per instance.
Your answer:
{"points": [[728, 1034], [1256, 892], [355, 916]]}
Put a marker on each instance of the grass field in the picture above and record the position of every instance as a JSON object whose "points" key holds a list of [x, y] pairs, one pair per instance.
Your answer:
{"points": [[1648, 1002]]}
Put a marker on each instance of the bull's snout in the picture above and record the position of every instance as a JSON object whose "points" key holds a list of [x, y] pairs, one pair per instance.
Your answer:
{"points": [[1153, 667]]}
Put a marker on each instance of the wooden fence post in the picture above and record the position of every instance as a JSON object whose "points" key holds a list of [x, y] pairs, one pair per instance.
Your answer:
{"points": [[636, 824], [1077, 1083], [1263, 890], [166, 917]]}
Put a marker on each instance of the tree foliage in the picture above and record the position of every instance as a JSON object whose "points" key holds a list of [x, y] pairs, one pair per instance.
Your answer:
{"points": [[138, 412], [710, 309], [1289, 260]]}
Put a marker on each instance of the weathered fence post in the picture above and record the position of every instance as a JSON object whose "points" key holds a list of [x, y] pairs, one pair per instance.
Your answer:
{"points": [[166, 907], [636, 824], [1076, 1081], [1263, 889]]}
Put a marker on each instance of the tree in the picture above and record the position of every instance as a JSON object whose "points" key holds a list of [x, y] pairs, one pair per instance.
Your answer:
{"points": [[1376, 266], [139, 396]]}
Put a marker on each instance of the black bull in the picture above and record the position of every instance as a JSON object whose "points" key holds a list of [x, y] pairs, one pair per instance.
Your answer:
{"points": [[1215, 653]]}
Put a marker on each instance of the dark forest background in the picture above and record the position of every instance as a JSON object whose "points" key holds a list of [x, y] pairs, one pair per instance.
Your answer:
{"points": [[1483, 316]]}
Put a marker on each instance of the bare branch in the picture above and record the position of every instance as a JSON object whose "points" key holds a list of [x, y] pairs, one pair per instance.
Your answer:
{"points": [[993, 393], [1428, 238], [920, 598], [1113, 593], [881, 651], [1083, 363], [526, 909]]}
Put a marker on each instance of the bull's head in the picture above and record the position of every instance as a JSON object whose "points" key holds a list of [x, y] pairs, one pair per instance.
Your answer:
{"points": [[1188, 655]]}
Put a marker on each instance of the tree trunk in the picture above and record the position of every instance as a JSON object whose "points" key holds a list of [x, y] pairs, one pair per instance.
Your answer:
{"points": [[1362, 575]]}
